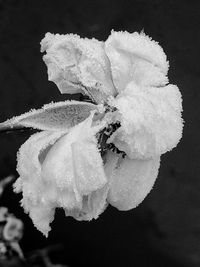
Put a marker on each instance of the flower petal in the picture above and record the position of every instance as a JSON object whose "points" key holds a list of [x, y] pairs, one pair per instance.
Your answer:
{"points": [[96, 202], [131, 181], [74, 163], [50, 178], [135, 57], [78, 65], [53, 117], [75, 160], [93, 205], [39, 197], [151, 122]]}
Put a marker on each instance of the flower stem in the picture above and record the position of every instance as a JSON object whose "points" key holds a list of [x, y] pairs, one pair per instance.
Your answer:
{"points": [[6, 128]]}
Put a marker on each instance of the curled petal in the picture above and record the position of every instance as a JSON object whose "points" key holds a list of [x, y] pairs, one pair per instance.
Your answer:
{"points": [[61, 169], [96, 202], [92, 206], [74, 161], [78, 65], [151, 122], [35, 190], [131, 181], [135, 57], [53, 117]]}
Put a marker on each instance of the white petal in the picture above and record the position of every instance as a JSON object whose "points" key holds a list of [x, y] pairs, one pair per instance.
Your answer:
{"points": [[131, 181], [53, 117], [42, 216], [151, 122], [39, 198], [96, 202], [135, 57], [78, 65], [74, 163], [93, 205], [88, 167]]}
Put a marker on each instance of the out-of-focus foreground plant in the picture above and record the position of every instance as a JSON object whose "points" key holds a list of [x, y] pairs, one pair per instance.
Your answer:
{"points": [[11, 232], [11, 229], [105, 151]]}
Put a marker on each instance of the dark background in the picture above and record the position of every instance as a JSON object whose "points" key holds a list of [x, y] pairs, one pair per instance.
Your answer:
{"points": [[165, 229]]}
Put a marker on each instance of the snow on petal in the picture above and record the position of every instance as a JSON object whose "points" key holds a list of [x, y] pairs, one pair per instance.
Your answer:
{"points": [[78, 65], [75, 159], [131, 181], [53, 116], [74, 163], [151, 122], [135, 57], [62, 169], [93, 205], [42, 215], [96, 202], [38, 199]]}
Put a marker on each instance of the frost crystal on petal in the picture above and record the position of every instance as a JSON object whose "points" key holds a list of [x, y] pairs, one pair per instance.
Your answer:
{"points": [[59, 169], [34, 188], [78, 65], [150, 119], [135, 57], [92, 205]]}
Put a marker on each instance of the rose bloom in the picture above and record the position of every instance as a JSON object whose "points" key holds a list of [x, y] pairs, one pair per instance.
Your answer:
{"points": [[64, 165]]}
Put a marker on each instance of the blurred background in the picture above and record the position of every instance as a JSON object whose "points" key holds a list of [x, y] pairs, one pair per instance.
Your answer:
{"points": [[164, 231]]}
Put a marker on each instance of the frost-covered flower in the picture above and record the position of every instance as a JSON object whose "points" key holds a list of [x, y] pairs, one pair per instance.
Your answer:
{"points": [[90, 154]]}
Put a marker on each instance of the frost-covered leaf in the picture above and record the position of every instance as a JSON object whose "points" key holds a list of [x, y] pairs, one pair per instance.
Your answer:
{"points": [[53, 117], [131, 180], [78, 65], [150, 118], [135, 57]]}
